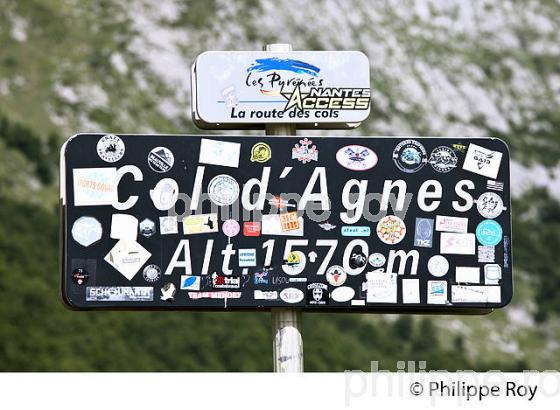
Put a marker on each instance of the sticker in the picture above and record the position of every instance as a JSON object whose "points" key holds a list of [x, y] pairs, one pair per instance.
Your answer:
{"points": [[391, 229], [410, 156], [214, 295], [381, 287], [147, 228], [411, 291], [312, 256], [261, 278], [221, 153], [291, 295], [124, 226], [460, 148], [457, 243], [317, 294], [355, 231], [277, 202], [225, 282], [151, 273], [437, 292], [494, 185], [251, 228], [357, 302], [119, 294], [451, 224], [80, 276], [265, 295], [127, 257], [357, 260], [305, 152], [223, 190], [230, 97], [203, 223], [168, 292], [492, 274], [438, 266], [489, 232], [482, 161], [356, 158], [160, 159], [289, 221], [475, 294], [86, 230], [261, 152], [190, 282], [110, 148], [271, 225], [327, 226], [377, 260], [443, 159], [490, 205], [231, 228], [295, 263], [165, 194], [168, 225], [486, 254], [343, 294], [247, 257], [464, 274], [424, 232], [336, 275], [506, 252], [95, 186]]}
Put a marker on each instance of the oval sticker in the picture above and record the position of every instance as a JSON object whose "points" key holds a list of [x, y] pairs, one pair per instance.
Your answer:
{"points": [[356, 157], [291, 295], [343, 294]]}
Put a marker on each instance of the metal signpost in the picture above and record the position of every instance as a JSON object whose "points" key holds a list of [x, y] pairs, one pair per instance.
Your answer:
{"points": [[284, 224]]}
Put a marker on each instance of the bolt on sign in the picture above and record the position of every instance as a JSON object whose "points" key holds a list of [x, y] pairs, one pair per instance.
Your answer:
{"points": [[373, 224], [313, 89]]}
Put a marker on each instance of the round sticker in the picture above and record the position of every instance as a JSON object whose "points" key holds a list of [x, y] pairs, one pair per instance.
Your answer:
{"points": [[291, 295], [223, 190], [356, 157], [343, 294], [438, 266], [377, 260], [489, 232], [165, 194], [231, 228], [151, 273], [391, 229], [410, 156], [160, 159], [490, 205], [443, 159], [295, 263], [336, 275], [357, 260], [80, 276], [260, 152], [110, 148]]}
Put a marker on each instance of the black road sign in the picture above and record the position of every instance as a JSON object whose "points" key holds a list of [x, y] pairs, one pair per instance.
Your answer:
{"points": [[254, 222]]}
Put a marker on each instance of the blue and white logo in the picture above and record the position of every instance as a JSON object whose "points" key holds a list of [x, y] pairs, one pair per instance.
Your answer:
{"points": [[190, 282], [489, 233], [355, 231]]}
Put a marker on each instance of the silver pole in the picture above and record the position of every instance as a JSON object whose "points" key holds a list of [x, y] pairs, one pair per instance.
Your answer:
{"points": [[287, 339]]}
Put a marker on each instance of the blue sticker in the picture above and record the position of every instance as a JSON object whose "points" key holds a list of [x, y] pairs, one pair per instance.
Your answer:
{"points": [[424, 232], [355, 231], [489, 233]]}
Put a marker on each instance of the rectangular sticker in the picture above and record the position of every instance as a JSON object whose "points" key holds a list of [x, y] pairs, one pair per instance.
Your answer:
{"points": [[451, 224], [247, 258], [119, 294], [355, 231], [265, 295], [437, 292], [458, 243], [475, 294], [190, 282], [464, 274], [221, 153], [482, 161], [95, 186], [381, 287], [124, 227], [203, 223], [271, 225], [411, 290], [424, 232]]}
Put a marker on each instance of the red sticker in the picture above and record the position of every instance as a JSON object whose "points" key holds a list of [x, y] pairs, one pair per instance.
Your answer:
{"points": [[252, 228]]}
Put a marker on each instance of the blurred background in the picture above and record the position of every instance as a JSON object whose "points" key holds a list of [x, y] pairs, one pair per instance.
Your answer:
{"points": [[445, 68]]}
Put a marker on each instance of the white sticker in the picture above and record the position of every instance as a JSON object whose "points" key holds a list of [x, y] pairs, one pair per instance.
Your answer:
{"points": [[492, 274], [168, 225], [223, 190], [411, 291], [110, 148], [165, 194], [336, 275], [438, 266], [272, 225], [295, 263], [127, 257], [95, 186], [490, 205], [203, 223], [482, 161], [124, 226], [437, 292], [356, 157], [221, 153], [265, 295], [452, 224], [291, 295], [119, 294], [342, 294], [86, 230], [381, 287], [247, 257], [475, 294], [464, 274], [458, 243]]}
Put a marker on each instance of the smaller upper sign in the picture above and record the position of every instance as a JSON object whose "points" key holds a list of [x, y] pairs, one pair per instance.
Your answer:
{"points": [[314, 89]]}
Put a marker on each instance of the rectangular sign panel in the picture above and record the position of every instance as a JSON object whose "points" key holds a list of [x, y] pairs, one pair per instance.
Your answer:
{"points": [[254, 222], [232, 89]]}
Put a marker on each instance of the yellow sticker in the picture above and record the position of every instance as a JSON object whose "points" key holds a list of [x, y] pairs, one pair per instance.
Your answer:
{"points": [[260, 152]]}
